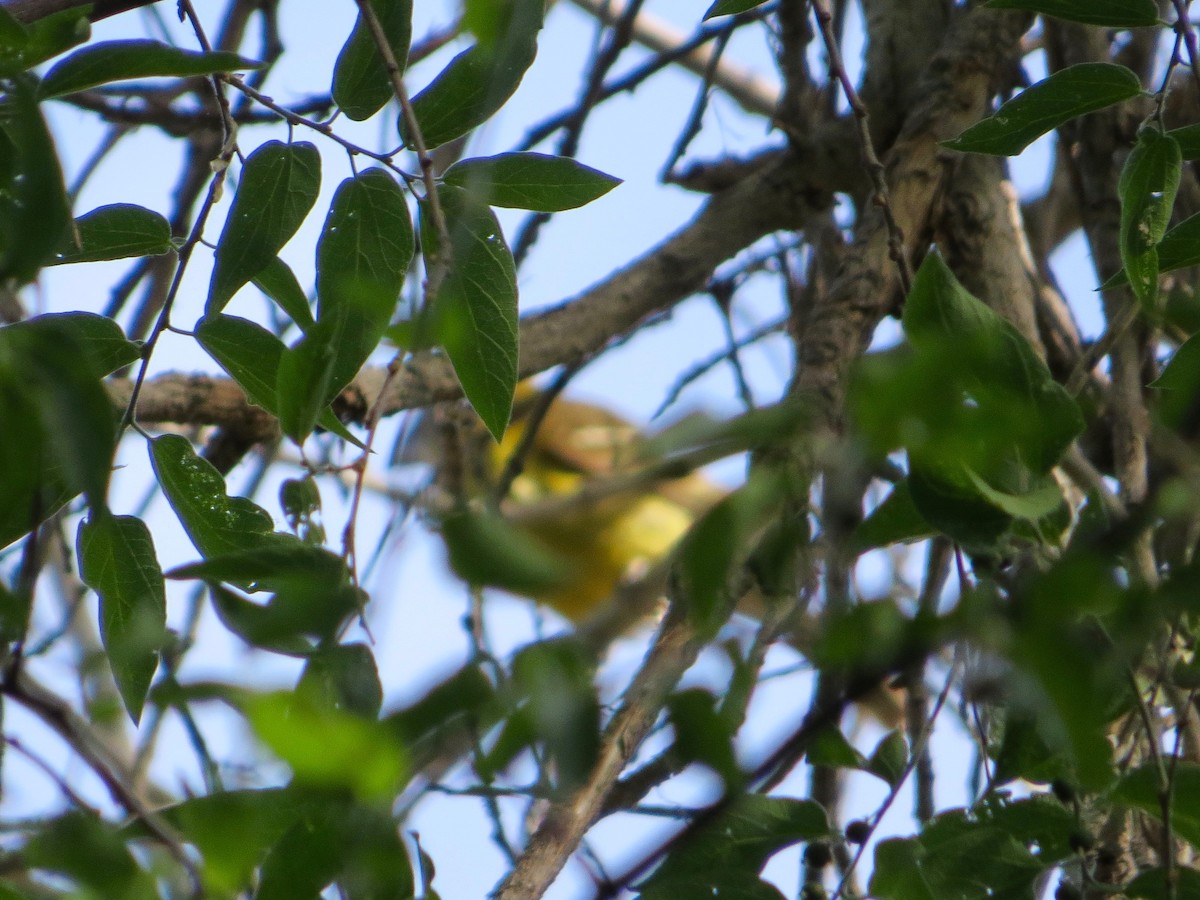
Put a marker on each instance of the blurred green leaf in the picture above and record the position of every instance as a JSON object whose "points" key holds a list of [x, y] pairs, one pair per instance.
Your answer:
{"points": [[1148, 185], [830, 748], [23, 46], [34, 212], [259, 625], [485, 550], [361, 84], [479, 81], [1042, 107], [216, 522], [279, 185], [1152, 884], [475, 309], [1188, 138], [111, 61], [895, 520], [352, 753], [301, 502], [556, 678], [890, 759], [531, 181], [461, 699], [117, 231], [702, 734], [1140, 788], [720, 540], [741, 839], [1107, 13], [117, 560], [92, 853], [343, 677]]}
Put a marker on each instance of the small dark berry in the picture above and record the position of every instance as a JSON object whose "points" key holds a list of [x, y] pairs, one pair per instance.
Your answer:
{"points": [[1063, 791], [858, 831], [817, 855]]}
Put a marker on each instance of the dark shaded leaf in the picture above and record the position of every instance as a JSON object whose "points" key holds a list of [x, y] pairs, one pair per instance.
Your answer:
{"points": [[556, 678], [1149, 182], [34, 212], [895, 520], [116, 232], [361, 85], [25, 46], [890, 759], [702, 734], [120, 60], [278, 187], [479, 80], [730, 7], [475, 309], [531, 181], [259, 625], [91, 852], [1151, 884], [278, 281], [485, 550], [1042, 107], [344, 677], [1108, 13], [1140, 790], [117, 560]]}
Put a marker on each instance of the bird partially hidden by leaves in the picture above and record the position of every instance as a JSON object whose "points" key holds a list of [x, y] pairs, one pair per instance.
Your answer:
{"points": [[589, 512]]}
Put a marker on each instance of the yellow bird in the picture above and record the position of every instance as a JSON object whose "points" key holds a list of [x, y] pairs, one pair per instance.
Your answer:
{"points": [[604, 539]]}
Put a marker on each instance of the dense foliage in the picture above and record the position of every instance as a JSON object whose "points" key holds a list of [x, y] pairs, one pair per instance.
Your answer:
{"points": [[1022, 497]]}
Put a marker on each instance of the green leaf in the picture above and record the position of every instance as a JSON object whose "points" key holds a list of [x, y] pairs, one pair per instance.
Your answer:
{"points": [[830, 748], [215, 522], [742, 839], [117, 560], [485, 550], [59, 425], [252, 357], [1179, 248], [531, 181], [719, 541], [26, 46], [361, 85], [1107, 13], [355, 753], [1044, 106], [557, 679], [479, 80], [730, 7], [890, 759], [121, 60], [1148, 184], [233, 830], [116, 232], [1140, 790], [1188, 138], [702, 734], [1152, 884], [362, 257], [895, 520], [356, 845], [344, 677], [278, 188], [1179, 384], [303, 382], [34, 212], [259, 625], [475, 309], [278, 281], [89, 851]]}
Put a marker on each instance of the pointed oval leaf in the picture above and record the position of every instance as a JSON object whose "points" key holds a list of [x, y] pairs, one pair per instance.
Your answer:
{"points": [[362, 257], [216, 522], [279, 185], [279, 282], [34, 212], [730, 7], [1148, 184], [475, 310], [1044, 106], [118, 231], [256, 624], [479, 80], [361, 85], [120, 60], [304, 379], [117, 561], [1107, 13], [248, 352], [533, 181], [102, 341], [344, 677]]}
